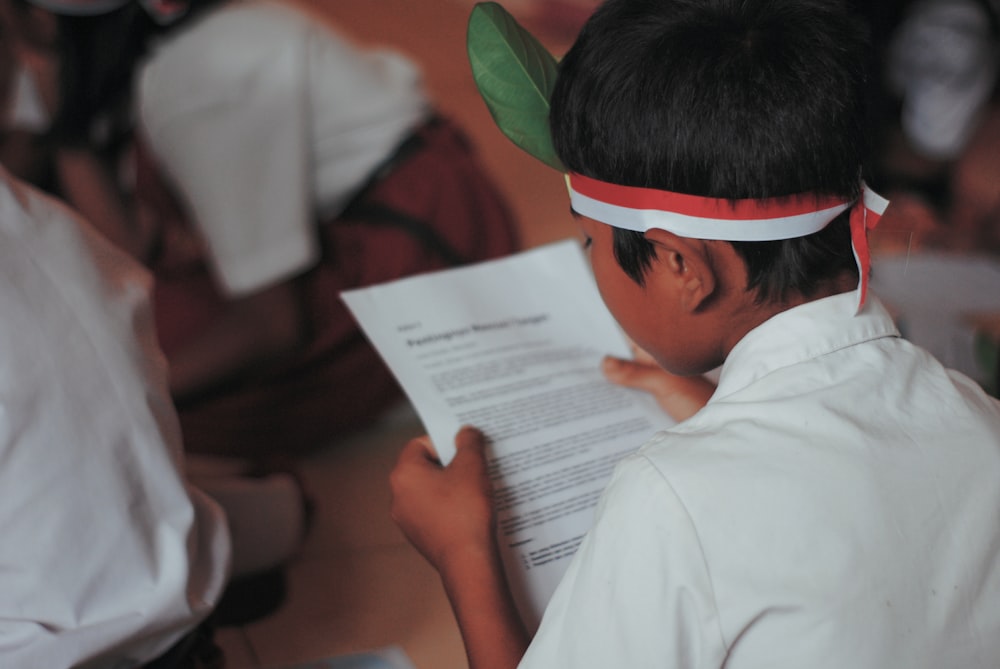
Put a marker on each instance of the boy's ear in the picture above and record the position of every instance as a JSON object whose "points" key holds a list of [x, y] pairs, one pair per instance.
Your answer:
{"points": [[685, 263]]}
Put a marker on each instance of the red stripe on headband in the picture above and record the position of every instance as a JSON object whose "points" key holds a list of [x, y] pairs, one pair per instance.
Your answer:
{"points": [[633, 197]]}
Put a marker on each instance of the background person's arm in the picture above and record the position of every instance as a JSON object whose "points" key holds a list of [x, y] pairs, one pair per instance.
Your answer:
{"points": [[246, 336], [89, 186]]}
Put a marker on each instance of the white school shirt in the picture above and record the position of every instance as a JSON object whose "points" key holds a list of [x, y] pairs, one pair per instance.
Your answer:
{"points": [[267, 121], [106, 557], [835, 505]]}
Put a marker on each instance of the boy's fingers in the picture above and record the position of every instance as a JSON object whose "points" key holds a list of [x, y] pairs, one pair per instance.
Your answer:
{"points": [[469, 437], [631, 374], [470, 451], [640, 356], [469, 444]]}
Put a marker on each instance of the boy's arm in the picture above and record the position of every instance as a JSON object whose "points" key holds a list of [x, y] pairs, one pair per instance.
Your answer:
{"points": [[680, 396], [91, 189], [447, 514]]}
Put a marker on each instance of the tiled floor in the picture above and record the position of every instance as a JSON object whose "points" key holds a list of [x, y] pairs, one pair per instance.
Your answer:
{"points": [[357, 584]]}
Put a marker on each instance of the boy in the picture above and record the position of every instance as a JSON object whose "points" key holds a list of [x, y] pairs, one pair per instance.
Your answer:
{"points": [[834, 503]]}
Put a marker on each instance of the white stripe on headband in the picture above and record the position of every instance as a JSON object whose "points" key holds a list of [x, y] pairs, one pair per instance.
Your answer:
{"points": [[874, 203], [641, 209]]}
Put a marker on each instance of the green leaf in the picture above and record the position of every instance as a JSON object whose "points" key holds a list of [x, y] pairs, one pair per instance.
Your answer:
{"points": [[515, 75]]}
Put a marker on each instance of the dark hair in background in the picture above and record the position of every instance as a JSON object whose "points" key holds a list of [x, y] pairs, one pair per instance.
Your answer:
{"points": [[727, 99], [98, 57]]}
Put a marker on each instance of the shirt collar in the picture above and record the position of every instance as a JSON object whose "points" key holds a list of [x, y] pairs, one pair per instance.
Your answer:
{"points": [[803, 333]]}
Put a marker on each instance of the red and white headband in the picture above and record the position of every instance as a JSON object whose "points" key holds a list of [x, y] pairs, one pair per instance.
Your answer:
{"points": [[507, 59], [692, 216]]}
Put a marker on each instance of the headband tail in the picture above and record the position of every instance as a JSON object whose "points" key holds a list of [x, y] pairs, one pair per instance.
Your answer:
{"points": [[865, 215]]}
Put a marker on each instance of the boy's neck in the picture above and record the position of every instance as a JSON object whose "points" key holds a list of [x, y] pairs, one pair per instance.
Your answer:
{"points": [[750, 314]]}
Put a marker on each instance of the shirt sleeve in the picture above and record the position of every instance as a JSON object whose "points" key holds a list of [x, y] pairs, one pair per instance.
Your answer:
{"points": [[638, 593], [107, 556], [227, 119]]}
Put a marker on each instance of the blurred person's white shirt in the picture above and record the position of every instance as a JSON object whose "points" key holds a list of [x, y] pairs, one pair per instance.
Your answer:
{"points": [[833, 506], [943, 61], [107, 558], [268, 122]]}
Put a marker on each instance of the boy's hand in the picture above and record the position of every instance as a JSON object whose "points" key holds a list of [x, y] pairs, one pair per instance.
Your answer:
{"points": [[445, 512], [680, 396]]}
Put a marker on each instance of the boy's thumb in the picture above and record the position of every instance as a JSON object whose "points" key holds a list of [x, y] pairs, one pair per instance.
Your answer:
{"points": [[469, 443]]}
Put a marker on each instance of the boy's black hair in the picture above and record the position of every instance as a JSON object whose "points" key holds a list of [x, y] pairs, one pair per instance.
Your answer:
{"points": [[726, 99]]}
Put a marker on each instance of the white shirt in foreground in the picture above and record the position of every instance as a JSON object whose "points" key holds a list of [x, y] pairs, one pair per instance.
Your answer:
{"points": [[835, 505], [106, 557]]}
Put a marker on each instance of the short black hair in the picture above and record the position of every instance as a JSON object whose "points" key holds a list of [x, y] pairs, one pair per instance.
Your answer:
{"points": [[726, 99]]}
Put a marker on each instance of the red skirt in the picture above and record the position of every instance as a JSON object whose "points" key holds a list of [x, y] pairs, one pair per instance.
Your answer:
{"points": [[431, 207]]}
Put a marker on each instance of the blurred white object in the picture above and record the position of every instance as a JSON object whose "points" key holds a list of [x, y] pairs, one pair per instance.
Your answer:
{"points": [[932, 295], [943, 62]]}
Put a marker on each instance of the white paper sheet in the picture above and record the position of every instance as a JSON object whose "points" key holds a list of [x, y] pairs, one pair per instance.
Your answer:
{"points": [[513, 347]]}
